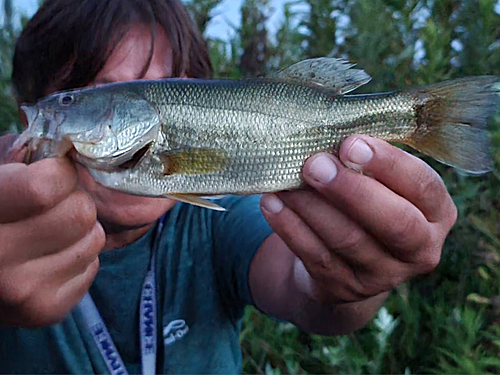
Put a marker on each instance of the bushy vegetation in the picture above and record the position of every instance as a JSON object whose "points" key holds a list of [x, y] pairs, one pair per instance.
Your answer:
{"points": [[449, 321]]}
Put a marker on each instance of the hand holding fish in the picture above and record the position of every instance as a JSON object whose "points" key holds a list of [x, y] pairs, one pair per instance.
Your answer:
{"points": [[358, 236], [45, 269]]}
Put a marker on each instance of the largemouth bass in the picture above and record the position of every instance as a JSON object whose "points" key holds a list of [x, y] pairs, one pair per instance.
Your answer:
{"points": [[186, 138]]}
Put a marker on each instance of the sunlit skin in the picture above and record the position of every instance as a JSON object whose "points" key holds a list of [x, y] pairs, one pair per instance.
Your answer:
{"points": [[125, 217]]}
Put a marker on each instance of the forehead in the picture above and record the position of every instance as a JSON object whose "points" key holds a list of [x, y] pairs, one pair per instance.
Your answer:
{"points": [[131, 56]]}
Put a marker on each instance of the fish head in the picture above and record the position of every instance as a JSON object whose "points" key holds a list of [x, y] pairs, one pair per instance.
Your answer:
{"points": [[105, 125]]}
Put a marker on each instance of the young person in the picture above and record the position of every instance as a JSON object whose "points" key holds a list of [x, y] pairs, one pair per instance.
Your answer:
{"points": [[324, 258]]}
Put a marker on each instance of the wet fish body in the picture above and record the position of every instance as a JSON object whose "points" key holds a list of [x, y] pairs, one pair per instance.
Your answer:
{"points": [[251, 136], [187, 138]]}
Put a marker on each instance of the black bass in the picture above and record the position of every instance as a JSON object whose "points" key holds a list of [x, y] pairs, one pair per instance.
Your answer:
{"points": [[186, 138]]}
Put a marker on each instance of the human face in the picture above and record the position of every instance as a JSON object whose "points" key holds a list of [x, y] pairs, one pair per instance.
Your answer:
{"points": [[119, 212]]}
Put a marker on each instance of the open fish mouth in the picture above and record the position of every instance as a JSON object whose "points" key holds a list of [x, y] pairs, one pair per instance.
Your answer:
{"points": [[125, 162], [31, 113], [136, 158]]}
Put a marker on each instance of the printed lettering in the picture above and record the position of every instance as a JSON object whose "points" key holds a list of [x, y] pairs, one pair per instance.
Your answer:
{"points": [[114, 364], [148, 311], [174, 331], [108, 349], [148, 330], [98, 330], [149, 345]]}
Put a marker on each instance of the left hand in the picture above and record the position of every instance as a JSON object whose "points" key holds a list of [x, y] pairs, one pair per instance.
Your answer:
{"points": [[356, 236]]}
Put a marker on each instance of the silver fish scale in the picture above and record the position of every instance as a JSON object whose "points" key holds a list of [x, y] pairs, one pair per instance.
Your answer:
{"points": [[267, 129]]}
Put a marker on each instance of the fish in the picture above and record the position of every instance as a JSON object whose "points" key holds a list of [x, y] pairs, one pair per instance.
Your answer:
{"points": [[187, 139]]}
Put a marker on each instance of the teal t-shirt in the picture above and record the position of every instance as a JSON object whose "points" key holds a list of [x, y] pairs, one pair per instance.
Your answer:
{"points": [[202, 288]]}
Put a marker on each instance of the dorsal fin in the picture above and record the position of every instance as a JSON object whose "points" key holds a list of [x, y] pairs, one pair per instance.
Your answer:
{"points": [[330, 73]]}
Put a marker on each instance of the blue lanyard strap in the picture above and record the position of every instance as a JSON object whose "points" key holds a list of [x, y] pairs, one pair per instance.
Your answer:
{"points": [[147, 321], [148, 310], [102, 338]]}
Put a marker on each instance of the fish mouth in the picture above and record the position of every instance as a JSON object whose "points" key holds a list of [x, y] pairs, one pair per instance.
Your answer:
{"points": [[30, 112], [107, 164], [135, 159], [41, 123], [115, 152]]}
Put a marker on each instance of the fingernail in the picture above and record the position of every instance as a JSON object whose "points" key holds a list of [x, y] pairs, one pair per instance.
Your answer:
{"points": [[322, 169], [271, 203], [359, 154]]}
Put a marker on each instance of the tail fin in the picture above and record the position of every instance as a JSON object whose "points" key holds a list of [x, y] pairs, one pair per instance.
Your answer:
{"points": [[452, 122]]}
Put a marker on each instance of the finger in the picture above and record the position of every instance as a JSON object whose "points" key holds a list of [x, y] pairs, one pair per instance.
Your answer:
{"points": [[49, 232], [290, 227], [7, 155], [337, 231], [73, 261], [340, 233], [51, 306], [401, 172], [73, 291], [323, 265], [29, 190], [389, 217], [31, 288]]}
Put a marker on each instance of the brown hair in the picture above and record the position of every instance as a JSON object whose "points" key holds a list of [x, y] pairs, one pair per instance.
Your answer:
{"points": [[68, 42]]}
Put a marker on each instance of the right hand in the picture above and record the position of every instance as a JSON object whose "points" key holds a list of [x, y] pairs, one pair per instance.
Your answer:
{"points": [[50, 241]]}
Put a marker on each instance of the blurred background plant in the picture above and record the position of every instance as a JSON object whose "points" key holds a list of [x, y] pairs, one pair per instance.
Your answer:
{"points": [[447, 322], [8, 111]]}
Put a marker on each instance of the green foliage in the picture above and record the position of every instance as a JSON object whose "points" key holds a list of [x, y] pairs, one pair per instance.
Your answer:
{"points": [[437, 36], [202, 12], [320, 23], [480, 39], [288, 41], [254, 38], [225, 60], [8, 111]]}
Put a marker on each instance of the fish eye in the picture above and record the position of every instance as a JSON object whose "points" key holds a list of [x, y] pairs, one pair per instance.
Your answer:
{"points": [[66, 100]]}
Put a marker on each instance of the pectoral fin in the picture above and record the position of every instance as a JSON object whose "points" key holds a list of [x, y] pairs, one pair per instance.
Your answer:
{"points": [[193, 161], [196, 201]]}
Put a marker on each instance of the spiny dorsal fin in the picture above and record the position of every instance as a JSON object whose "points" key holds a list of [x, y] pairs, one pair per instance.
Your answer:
{"points": [[330, 73]]}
